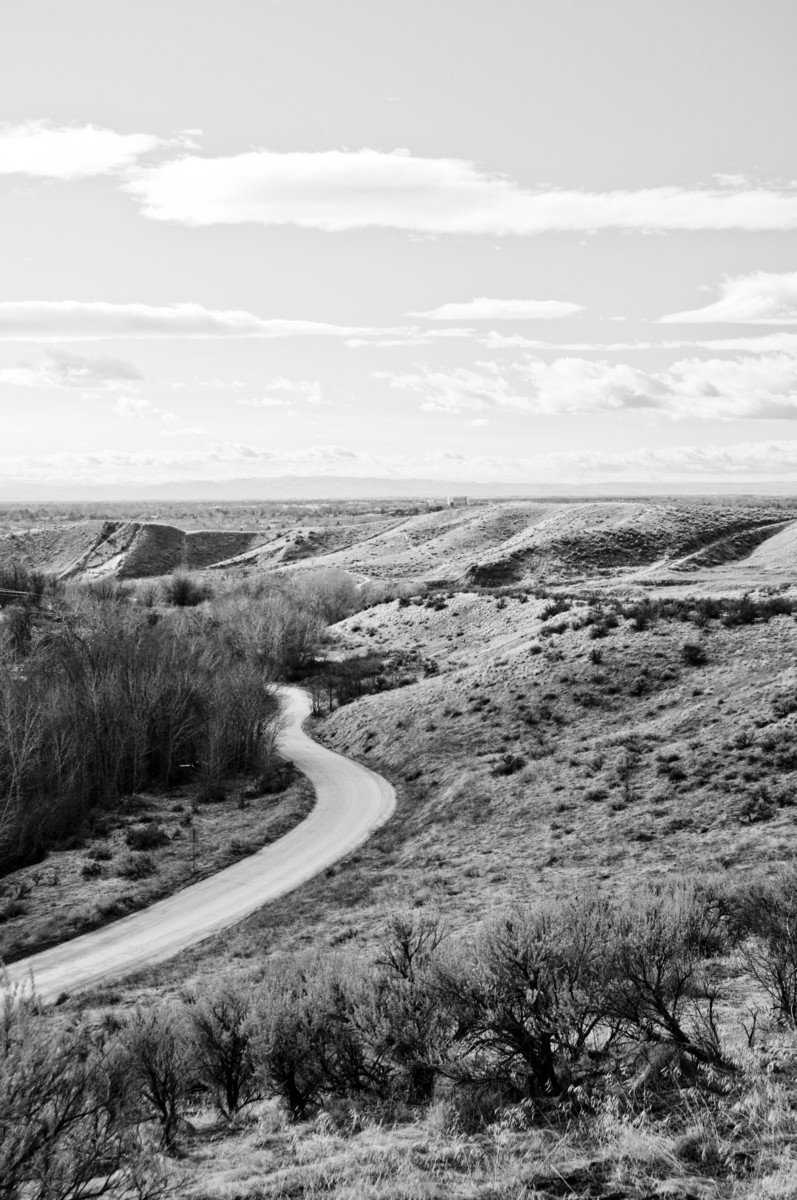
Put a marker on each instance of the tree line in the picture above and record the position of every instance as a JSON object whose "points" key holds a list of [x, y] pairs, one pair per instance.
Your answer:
{"points": [[115, 690]]}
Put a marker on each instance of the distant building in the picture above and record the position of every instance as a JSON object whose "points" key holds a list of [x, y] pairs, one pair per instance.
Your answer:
{"points": [[456, 501]]}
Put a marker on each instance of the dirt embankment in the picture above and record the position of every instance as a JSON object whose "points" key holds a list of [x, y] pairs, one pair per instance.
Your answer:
{"points": [[121, 549]]}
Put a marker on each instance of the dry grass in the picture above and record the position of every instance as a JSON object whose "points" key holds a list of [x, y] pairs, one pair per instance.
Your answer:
{"points": [[696, 1149]]}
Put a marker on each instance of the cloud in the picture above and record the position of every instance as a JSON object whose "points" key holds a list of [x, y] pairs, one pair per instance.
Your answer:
{"points": [[572, 385], [74, 320], [764, 298], [759, 344], [745, 462], [38, 148], [458, 390], [485, 309], [57, 368], [303, 389], [266, 402], [752, 388], [408, 336], [337, 190], [129, 406], [184, 431]]}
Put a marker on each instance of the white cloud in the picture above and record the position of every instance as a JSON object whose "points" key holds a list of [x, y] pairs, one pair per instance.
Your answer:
{"points": [[759, 344], [515, 341], [74, 320], [762, 387], [265, 402], [130, 406], [744, 462], [336, 190], [764, 298], [303, 389], [48, 151], [184, 431], [58, 368], [486, 309], [571, 385], [458, 390], [408, 336]]}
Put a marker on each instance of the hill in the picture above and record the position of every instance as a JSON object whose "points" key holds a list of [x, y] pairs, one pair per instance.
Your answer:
{"points": [[487, 544], [119, 549]]}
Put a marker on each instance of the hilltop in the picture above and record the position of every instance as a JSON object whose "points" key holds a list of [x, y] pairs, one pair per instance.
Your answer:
{"points": [[485, 544]]}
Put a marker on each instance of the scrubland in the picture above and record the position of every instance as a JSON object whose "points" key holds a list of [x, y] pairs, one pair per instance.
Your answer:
{"points": [[567, 967]]}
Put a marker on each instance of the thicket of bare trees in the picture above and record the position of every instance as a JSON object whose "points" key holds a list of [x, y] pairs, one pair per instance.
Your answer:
{"points": [[106, 694], [110, 701]]}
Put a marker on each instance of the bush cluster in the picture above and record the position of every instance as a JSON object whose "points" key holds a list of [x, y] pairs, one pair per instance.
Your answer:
{"points": [[559, 1007], [697, 610]]}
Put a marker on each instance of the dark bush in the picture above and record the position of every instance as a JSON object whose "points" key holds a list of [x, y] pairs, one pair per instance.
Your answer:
{"points": [[529, 998], [146, 837], [509, 764], [182, 591], [694, 654], [64, 1132], [136, 866], [154, 1058], [222, 1042]]}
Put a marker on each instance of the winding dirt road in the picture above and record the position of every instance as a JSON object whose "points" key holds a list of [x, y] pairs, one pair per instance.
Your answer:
{"points": [[351, 802]]}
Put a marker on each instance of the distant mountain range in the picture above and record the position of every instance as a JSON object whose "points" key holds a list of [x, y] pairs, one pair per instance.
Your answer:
{"points": [[342, 487]]}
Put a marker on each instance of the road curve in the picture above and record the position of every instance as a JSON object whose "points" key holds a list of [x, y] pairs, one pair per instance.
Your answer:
{"points": [[351, 802]]}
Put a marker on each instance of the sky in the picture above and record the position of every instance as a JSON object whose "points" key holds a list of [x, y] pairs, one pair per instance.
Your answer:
{"points": [[505, 241]]}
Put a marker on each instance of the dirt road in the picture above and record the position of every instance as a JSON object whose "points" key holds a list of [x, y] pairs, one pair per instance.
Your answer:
{"points": [[351, 802]]}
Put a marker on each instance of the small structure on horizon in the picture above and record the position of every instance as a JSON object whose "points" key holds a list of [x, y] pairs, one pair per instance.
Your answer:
{"points": [[457, 501]]}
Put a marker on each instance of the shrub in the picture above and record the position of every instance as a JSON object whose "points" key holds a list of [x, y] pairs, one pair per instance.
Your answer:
{"points": [[222, 1042], [767, 915], [292, 1028], [146, 837], [63, 1127], [659, 991], [136, 866], [527, 1000], [509, 764], [182, 591], [405, 1031], [784, 704], [555, 608], [740, 612], [108, 591], [694, 654], [154, 1057]]}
